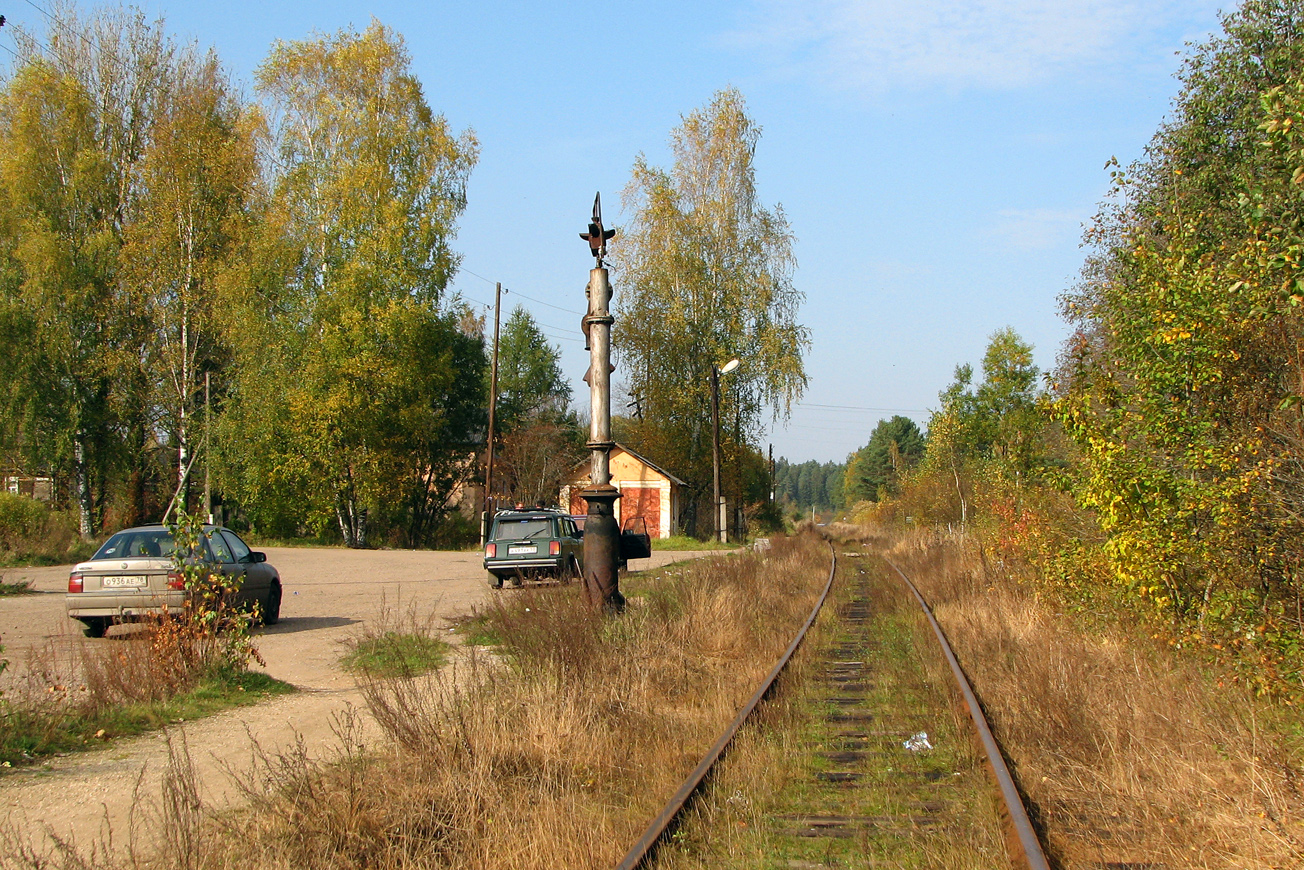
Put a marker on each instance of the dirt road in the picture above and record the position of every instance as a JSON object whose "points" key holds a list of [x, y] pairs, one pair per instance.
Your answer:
{"points": [[330, 595]]}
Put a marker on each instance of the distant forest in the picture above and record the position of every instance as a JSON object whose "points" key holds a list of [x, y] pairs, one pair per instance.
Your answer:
{"points": [[809, 484]]}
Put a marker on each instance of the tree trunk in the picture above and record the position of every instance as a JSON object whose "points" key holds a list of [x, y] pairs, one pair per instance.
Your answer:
{"points": [[360, 528], [82, 480], [421, 511], [352, 520], [342, 509], [964, 512], [136, 481], [183, 430]]}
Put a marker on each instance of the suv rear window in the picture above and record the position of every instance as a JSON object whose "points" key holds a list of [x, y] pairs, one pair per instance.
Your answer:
{"points": [[526, 527]]}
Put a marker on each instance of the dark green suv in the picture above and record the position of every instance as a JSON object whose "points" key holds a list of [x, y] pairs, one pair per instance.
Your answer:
{"points": [[532, 545]]}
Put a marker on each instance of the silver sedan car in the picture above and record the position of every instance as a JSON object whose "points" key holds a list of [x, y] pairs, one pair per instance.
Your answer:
{"points": [[134, 574]]}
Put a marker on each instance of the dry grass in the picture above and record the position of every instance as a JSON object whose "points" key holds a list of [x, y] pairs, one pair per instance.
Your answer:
{"points": [[63, 698], [1128, 752], [554, 749]]}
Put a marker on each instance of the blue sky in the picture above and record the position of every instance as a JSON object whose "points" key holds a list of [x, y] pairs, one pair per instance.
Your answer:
{"points": [[936, 160]]}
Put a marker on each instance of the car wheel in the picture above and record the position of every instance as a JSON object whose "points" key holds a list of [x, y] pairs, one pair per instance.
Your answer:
{"points": [[495, 581], [272, 609], [95, 626], [570, 571]]}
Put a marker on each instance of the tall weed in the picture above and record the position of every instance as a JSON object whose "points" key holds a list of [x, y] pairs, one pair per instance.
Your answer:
{"points": [[1129, 751]]}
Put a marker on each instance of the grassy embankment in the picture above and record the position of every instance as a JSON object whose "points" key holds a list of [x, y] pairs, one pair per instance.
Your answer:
{"points": [[1130, 751]]}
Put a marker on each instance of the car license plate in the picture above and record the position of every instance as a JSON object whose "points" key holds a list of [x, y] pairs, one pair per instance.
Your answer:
{"points": [[521, 551], [124, 580]]}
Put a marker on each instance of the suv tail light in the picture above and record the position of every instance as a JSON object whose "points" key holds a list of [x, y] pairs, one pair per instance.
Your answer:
{"points": [[554, 548], [176, 580], [75, 582], [490, 551]]}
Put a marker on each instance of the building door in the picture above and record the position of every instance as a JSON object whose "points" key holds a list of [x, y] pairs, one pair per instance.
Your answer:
{"points": [[645, 502]]}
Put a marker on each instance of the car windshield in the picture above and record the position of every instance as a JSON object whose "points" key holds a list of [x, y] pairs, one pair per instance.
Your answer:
{"points": [[526, 527], [139, 543]]}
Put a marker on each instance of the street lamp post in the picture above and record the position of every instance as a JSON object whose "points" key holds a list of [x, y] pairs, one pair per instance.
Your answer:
{"points": [[721, 518]]}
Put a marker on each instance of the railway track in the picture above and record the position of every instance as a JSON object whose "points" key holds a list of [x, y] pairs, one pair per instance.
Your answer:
{"points": [[877, 775]]}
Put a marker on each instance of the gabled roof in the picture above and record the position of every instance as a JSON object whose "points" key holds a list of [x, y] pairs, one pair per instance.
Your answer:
{"points": [[652, 465], [648, 462]]}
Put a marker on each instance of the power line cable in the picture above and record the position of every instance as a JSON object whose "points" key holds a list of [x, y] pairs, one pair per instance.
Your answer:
{"points": [[481, 277], [39, 9], [519, 293], [18, 29], [859, 408], [550, 305], [56, 21], [560, 337], [561, 330]]}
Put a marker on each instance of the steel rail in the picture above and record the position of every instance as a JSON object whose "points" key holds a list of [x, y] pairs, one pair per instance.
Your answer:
{"points": [[659, 827], [1026, 836]]}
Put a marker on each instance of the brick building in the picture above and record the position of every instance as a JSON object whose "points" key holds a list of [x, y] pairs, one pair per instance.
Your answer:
{"points": [[646, 489]]}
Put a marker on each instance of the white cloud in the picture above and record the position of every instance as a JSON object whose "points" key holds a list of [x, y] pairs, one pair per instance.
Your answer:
{"points": [[1034, 229], [875, 45]]}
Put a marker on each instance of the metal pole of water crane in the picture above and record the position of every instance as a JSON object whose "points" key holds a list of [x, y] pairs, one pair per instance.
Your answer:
{"points": [[601, 532]]}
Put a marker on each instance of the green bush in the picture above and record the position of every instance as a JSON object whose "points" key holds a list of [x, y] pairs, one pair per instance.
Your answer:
{"points": [[33, 533], [22, 519]]}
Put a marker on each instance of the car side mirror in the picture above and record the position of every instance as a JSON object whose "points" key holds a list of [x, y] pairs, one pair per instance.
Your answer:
{"points": [[257, 556]]}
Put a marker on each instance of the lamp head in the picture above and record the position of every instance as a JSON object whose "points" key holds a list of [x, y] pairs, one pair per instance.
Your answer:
{"points": [[729, 366]]}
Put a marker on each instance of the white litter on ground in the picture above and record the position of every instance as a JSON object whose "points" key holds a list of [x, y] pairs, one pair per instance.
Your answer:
{"points": [[918, 742]]}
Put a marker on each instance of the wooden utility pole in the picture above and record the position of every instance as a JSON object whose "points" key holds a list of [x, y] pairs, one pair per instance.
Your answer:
{"points": [[771, 474], [487, 515], [208, 451]]}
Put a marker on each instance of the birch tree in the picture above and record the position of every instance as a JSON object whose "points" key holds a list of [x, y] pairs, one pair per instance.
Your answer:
{"points": [[367, 185], [704, 275], [75, 117], [194, 182], [59, 248], [126, 166]]}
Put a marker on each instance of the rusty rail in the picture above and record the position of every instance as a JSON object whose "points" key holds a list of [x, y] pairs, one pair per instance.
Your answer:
{"points": [[1025, 839], [662, 824]]}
